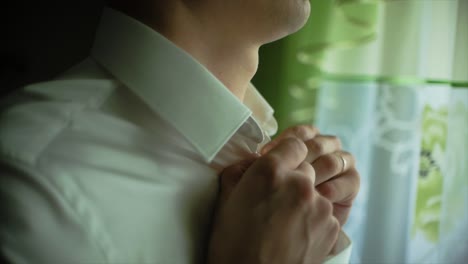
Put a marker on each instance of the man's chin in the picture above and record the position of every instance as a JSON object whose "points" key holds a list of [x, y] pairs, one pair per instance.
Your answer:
{"points": [[300, 18], [293, 26], [305, 15]]}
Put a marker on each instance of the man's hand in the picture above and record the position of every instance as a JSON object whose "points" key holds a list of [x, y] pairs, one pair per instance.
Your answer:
{"points": [[336, 176], [269, 211]]}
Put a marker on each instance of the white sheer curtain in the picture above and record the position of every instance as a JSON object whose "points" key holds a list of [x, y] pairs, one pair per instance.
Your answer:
{"points": [[400, 105]]}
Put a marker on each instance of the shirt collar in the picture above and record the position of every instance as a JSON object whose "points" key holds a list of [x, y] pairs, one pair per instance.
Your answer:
{"points": [[262, 112], [169, 81]]}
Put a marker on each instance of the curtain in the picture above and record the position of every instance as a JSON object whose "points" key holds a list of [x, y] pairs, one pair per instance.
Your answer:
{"points": [[390, 78]]}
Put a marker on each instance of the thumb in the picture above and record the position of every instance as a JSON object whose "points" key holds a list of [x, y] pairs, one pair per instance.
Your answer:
{"points": [[230, 177]]}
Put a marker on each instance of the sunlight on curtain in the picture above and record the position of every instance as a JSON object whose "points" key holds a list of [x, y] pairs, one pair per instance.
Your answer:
{"points": [[391, 79]]}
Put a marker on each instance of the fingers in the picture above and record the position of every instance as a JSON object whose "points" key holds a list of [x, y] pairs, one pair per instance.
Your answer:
{"points": [[341, 191], [309, 217], [305, 168], [322, 145], [288, 154], [270, 170], [342, 188], [301, 183], [318, 147], [330, 165], [302, 132]]}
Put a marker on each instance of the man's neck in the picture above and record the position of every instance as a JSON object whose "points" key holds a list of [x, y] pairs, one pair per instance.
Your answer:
{"points": [[233, 65], [231, 59]]}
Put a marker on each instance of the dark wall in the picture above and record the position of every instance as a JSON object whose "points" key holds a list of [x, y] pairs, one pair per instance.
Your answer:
{"points": [[40, 39]]}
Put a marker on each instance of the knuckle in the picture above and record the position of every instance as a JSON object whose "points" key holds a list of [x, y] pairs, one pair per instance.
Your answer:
{"points": [[296, 143], [316, 147], [335, 226], [330, 162], [302, 131], [308, 170], [336, 140]]}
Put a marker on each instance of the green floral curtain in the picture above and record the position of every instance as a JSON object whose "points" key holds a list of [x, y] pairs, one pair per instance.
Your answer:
{"points": [[391, 79]]}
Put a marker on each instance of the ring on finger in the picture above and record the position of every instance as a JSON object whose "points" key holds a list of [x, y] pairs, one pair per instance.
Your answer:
{"points": [[343, 161]]}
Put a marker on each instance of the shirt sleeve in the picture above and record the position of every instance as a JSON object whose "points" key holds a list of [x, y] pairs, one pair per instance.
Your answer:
{"points": [[343, 256], [36, 226]]}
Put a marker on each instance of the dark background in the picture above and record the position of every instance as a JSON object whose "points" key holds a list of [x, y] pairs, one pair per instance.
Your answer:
{"points": [[40, 39]]}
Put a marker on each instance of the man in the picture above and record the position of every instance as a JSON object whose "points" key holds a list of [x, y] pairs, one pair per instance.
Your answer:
{"points": [[117, 161]]}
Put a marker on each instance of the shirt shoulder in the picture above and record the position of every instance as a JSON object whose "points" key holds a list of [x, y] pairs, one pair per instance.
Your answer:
{"points": [[33, 116]]}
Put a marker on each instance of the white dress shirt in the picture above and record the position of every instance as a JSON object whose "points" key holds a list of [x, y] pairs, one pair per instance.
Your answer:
{"points": [[116, 161]]}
